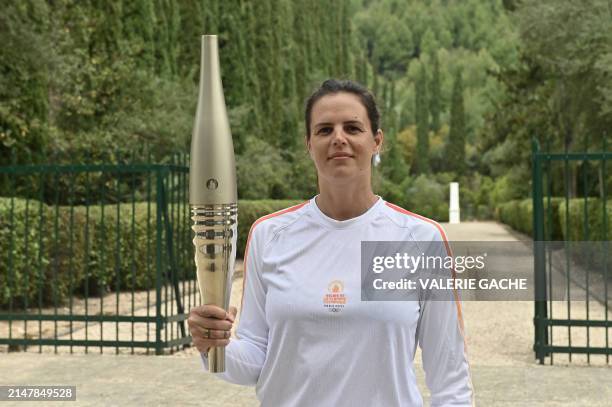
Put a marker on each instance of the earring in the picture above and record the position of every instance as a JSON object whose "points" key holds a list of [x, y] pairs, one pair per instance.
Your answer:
{"points": [[376, 159]]}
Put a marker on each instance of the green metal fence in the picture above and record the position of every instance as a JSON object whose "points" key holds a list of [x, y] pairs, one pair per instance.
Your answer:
{"points": [[96, 256], [571, 256]]}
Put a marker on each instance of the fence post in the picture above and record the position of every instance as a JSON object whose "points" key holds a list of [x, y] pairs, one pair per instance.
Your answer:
{"points": [[173, 268], [454, 207], [158, 261], [540, 310]]}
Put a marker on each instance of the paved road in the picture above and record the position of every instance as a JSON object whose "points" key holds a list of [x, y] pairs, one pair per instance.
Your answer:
{"points": [[499, 338]]}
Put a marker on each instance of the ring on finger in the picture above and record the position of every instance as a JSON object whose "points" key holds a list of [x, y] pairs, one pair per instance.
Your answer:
{"points": [[207, 333]]}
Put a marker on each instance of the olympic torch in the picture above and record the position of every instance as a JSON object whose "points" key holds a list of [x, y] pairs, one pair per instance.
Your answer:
{"points": [[212, 191]]}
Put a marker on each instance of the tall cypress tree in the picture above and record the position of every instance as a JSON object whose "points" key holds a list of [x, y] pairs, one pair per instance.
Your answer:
{"points": [[253, 98], [162, 38], [174, 27], [347, 58], [300, 38], [455, 151], [375, 81], [25, 82], [233, 57], [276, 33], [336, 9], [422, 120], [392, 124], [385, 97], [192, 28], [211, 15], [265, 63], [138, 24], [361, 68], [107, 29], [435, 99], [331, 30], [393, 165], [288, 136], [310, 40]]}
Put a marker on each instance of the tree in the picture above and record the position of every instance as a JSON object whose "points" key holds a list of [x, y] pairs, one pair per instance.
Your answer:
{"points": [[388, 39], [561, 92], [455, 152], [25, 57], [422, 120], [435, 98], [576, 61], [393, 166]]}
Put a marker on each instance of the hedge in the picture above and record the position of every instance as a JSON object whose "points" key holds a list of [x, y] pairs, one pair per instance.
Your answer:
{"points": [[518, 214], [13, 250], [595, 220], [85, 262]]}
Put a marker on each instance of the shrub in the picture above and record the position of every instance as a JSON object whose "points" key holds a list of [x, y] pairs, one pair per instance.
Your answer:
{"points": [[72, 249], [475, 197], [518, 214], [587, 226], [429, 198], [390, 191], [113, 253], [24, 257], [594, 224], [261, 171]]}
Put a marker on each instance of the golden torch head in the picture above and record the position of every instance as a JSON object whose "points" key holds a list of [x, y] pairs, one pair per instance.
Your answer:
{"points": [[212, 171]]}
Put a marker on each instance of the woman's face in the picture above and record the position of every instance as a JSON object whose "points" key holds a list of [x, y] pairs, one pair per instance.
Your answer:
{"points": [[341, 142]]}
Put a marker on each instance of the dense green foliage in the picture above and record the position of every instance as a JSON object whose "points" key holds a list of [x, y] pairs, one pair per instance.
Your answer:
{"points": [[90, 81], [577, 225], [51, 251], [421, 162], [23, 252], [422, 47], [435, 98], [463, 86], [524, 73], [585, 220], [455, 151], [519, 215], [560, 92]]}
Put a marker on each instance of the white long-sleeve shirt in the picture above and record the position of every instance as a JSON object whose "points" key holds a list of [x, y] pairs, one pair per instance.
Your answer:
{"points": [[304, 336]]}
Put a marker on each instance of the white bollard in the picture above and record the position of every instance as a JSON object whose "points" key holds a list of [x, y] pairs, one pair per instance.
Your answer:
{"points": [[453, 207]]}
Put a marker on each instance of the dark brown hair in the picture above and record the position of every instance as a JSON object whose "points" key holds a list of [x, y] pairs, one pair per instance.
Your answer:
{"points": [[333, 86]]}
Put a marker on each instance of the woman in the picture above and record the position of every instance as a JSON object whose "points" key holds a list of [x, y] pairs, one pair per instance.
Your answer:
{"points": [[305, 338]]}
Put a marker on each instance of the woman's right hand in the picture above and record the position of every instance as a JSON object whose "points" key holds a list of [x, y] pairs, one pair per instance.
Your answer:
{"points": [[210, 326]]}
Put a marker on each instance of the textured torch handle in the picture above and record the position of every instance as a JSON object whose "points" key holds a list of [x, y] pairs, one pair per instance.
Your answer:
{"points": [[216, 360], [215, 228]]}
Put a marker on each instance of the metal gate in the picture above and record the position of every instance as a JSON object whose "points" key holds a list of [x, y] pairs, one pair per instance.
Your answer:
{"points": [[96, 256], [571, 256]]}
